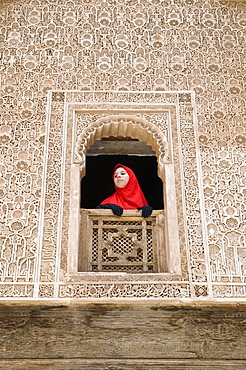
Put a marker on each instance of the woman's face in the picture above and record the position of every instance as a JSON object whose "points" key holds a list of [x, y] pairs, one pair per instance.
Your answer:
{"points": [[121, 177]]}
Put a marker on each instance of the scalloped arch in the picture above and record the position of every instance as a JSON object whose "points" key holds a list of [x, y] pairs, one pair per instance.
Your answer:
{"points": [[122, 125]]}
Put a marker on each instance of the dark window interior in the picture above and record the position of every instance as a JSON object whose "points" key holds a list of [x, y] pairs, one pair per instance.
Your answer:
{"points": [[97, 184]]}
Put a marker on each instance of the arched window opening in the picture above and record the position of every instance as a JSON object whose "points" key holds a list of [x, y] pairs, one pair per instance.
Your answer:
{"points": [[101, 158]]}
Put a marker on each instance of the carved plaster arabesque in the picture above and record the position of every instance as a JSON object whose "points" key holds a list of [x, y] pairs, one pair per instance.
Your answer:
{"points": [[68, 54]]}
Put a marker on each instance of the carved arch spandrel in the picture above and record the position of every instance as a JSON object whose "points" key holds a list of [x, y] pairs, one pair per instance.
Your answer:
{"points": [[125, 126]]}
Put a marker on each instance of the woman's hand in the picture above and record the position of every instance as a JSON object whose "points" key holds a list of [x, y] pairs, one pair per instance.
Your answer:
{"points": [[146, 211], [117, 210]]}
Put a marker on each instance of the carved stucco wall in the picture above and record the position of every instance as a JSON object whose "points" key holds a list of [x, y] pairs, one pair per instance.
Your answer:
{"points": [[177, 46]]}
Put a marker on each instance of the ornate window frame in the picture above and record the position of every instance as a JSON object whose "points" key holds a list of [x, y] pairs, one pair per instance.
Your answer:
{"points": [[165, 118]]}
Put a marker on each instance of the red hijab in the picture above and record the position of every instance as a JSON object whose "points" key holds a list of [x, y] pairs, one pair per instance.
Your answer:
{"points": [[129, 197]]}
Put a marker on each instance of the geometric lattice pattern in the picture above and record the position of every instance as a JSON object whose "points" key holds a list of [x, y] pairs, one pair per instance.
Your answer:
{"points": [[127, 245], [122, 246]]}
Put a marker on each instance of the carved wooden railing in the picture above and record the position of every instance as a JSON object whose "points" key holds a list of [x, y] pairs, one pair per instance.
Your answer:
{"points": [[129, 243]]}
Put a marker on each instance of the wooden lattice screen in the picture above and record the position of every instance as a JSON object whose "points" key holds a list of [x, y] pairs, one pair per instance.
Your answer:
{"points": [[128, 243]]}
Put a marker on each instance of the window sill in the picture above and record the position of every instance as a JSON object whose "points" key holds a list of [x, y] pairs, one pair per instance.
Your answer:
{"points": [[121, 277]]}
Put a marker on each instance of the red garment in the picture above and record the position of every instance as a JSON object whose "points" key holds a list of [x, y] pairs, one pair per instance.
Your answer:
{"points": [[129, 197]]}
